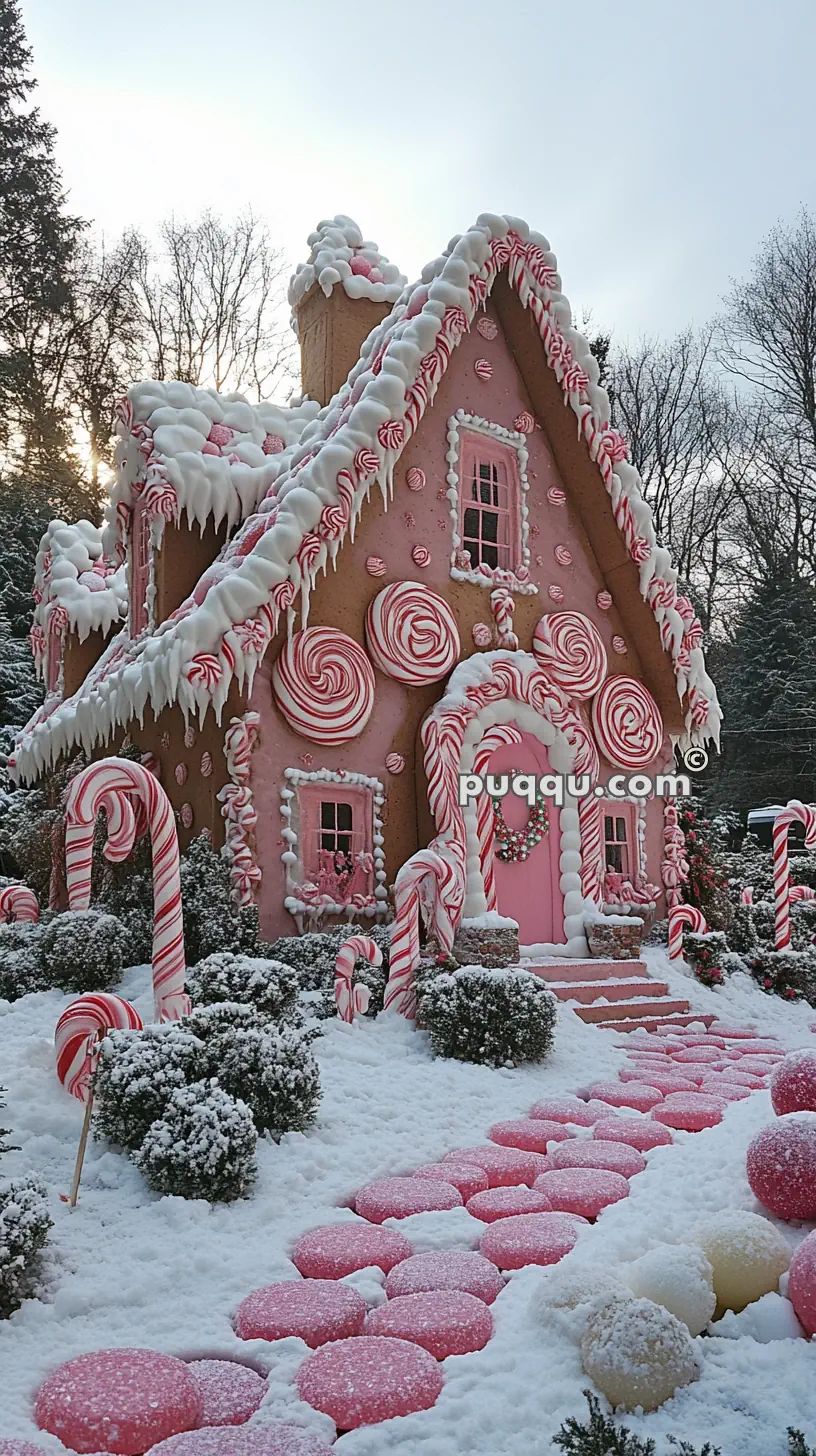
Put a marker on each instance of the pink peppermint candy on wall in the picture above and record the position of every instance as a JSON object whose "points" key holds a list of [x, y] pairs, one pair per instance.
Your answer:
{"points": [[421, 556], [415, 478], [627, 723], [604, 600], [206, 765], [483, 369], [487, 328], [556, 496], [189, 736], [187, 815], [619, 645], [555, 593], [375, 566], [412, 633], [391, 434], [324, 685], [524, 423], [394, 762], [569, 648], [563, 555], [180, 773], [482, 634]]}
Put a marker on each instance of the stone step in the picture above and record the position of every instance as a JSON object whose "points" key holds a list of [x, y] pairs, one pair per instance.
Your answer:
{"points": [[625, 1010], [651, 1023], [587, 991], [587, 970]]}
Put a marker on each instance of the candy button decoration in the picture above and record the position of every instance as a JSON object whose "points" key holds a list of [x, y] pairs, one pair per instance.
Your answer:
{"points": [[627, 723], [401, 1197], [256, 1441], [793, 1084], [570, 650], [781, 1166], [555, 593], [531, 1134], [412, 634], [394, 762], [619, 645], [324, 685], [467, 1177], [524, 423], [556, 496], [487, 327], [336, 1250], [373, 1378], [563, 555], [596, 1152], [315, 1310], [229, 1393], [531, 1238], [421, 556], [119, 1401], [448, 1269], [483, 369], [604, 600], [506, 1202], [584, 1191], [444, 1322], [375, 566], [802, 1283], [415, 478]]}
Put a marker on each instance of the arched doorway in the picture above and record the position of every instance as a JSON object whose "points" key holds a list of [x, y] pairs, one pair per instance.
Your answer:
{"points": [[529, 890]]}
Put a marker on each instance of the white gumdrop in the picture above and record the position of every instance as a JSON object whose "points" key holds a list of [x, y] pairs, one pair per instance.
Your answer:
{"points": [[747, 1254], [680, 1278], [638, 1354]]}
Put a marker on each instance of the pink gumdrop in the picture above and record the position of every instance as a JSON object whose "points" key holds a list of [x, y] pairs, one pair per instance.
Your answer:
{"points": [[640, 1095], [637, 1074], [566, 1110], [597, 1153], [339, 1249], [443, 1321], [637, 1132], [763, 1066], [672, 1082], [531, 1238], [697, 1054], [584, 1191], [469, 1178], [505, 1202], [229, 1393], [532, 1134], [316, 1310], [503, 1166], [727, 1091], [762, 1048], [123, 1401], [253, 1441], [732, 1033], [209, 449], [741, 1078], [781, 1166], [401, 1197], [454, 1269], [220, 435], [793, 1083], [694, 1039], [370, 1379], [361, 266], [802, 1283], [690, 1111]]}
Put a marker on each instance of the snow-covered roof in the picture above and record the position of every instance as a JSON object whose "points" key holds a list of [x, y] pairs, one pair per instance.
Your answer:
{"points": [[340, 254], [221, 632], [76, 587]]}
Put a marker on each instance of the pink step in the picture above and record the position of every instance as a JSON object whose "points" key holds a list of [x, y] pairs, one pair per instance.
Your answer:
{"points": [[584, 971], [650, 1023], [626, 1009], [588, 991]]}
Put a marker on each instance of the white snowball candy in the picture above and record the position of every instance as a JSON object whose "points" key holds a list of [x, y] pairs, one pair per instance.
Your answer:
{"points": [[679, 1277], [563, 1287], [638, 1354], [747, 1254]]}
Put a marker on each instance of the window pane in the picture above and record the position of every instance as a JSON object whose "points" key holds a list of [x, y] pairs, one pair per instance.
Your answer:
{"points": [[490, 555], [608, 827], [327, 815], [490, 526], [344, 817], [471, 524], [620, 830]]}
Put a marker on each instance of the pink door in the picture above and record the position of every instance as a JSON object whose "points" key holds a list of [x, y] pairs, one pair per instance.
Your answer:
{"points": [[529, 890]]}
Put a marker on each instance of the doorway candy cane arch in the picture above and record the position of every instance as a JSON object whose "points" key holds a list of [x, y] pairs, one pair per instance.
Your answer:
{"points": [[684, 917], [495, 737], [112, 785], [794, 812]]}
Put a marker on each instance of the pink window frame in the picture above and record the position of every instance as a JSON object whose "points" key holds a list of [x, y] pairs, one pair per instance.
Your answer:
{"points": [[310, 798], [478, 449], [620, 809], [139, 569]]}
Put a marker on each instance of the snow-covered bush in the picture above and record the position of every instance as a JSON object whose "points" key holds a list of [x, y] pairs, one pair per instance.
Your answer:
{"points": [[203, 1146], [137, 1074], [497, 1017], [313, 956], [732, 962], [127, 893], [269, 985], [658, 934], [24, 1226], [787, 973], [272, 1070], [742, 935], [803, 924], [763, 915], [20, 965], [26, 821], [705, 954], [600, 1435], [83, 950], [211, 921]]}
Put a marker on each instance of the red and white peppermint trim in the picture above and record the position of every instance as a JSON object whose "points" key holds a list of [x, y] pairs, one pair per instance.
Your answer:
{"points": [[674, 867], [412, 634], [238, 809], [503, 608], [324, 684], [78, 1034], [570, 650], [627, 723], [498, 736]]}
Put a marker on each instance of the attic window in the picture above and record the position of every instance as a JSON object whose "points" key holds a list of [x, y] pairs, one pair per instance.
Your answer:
{"points": [[487, 484], [139, 570]]}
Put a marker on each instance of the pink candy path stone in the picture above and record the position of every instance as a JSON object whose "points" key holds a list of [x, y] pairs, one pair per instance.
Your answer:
{"points": [[443, 1321], [583, 1191], [339, 1249], [781, 1166], [454, 1269], [762, 1066], [802, 1283], [732, 1033], [256, 1441], [638, 1132], [400, 1197], [531, 1238], [529, 1133], [503, 1166], [504, 1202], [759, 1048], [793, 1083], [669, 1081], [640, 1095], [727, 1091], [123, 1401], [690, 1111], [697, 1054], [316, 1310], [373, 1378], [230, 1393], [469, 1178], [744, 1079], [567, 1109], [595, 1152]]}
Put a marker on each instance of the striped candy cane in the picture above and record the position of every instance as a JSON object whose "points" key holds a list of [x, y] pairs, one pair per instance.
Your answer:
{"points": [[793, 813], [426, 870], [496, 737], [353, 1000], [111, 785], [79, 1031], [592, 845], [684, 917], [801, 892], [747, 895], [503, 607], [18, 902]]}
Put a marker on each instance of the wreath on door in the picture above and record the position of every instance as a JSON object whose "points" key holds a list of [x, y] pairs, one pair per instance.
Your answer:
{"points": [[516, 845]]}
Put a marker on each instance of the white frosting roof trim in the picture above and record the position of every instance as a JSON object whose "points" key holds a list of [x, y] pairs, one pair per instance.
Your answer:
{"points": [[75, 588]]}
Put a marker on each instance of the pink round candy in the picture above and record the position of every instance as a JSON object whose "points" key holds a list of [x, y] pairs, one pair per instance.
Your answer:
{"points": [[638, 1132], [230, 1393], [732, 1033], [373, 1378], [697, 1054], [400, 1197], [253, 1441], [670, 1081], [339, 1249], [471, 1273], [694, 1038], [502, 1165], [726, 1091], [801, 1284], [528, 1133], [781, 1166], [741, 1078], [793, 1083], [443, 1321], [122, 1401], [759, 1048], [690, 1111], [316, 1310], [763, 1066], [531, 1238], [469, 1178], [505, 1202], [584, 1191], [595, 1152], [566, 1110], [640, 1095]]}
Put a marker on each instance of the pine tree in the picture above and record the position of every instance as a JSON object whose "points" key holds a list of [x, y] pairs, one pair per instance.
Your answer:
{"points": [[707, 875]]}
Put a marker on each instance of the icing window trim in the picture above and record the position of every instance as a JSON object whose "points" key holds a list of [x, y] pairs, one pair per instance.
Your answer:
{"points": [[517, 579], [292, 856]]}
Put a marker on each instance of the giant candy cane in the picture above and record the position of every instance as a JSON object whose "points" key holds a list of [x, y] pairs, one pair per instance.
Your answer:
{"points": [[684, 917], [353, 1000], [495, 737], [112, 784], [793, 813], [425, 870], [801, 892], [18, 902]]}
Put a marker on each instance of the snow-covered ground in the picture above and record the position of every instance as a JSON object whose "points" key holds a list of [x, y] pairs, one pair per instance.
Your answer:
{"points": [[129, 1268]]}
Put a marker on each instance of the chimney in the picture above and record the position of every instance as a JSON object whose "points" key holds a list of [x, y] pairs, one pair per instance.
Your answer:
{"points": [[341, 294]]}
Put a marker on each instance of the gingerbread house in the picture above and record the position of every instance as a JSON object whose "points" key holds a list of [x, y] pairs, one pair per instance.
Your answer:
{"points": [[441, 563]]}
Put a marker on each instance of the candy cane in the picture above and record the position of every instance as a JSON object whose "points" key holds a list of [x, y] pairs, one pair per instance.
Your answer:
{"points": [[684, 917], [801, 892], [794, 812], [747, 895], [108, 785], [503, 607], [426, 869], [592, 847], [18, 902], [353, 1000], [496, 737], [78, 1034]]}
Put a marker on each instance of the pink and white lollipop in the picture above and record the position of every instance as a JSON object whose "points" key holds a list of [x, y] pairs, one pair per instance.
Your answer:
{"points": [[412, 634], [353, 1000], [684, 917], [79, 1031], [570, 650], [18, 902], [324, 685], [627, 723]]}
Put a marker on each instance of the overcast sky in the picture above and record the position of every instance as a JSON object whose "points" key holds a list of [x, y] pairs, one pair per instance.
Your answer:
{"points": [[653, 143]]}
